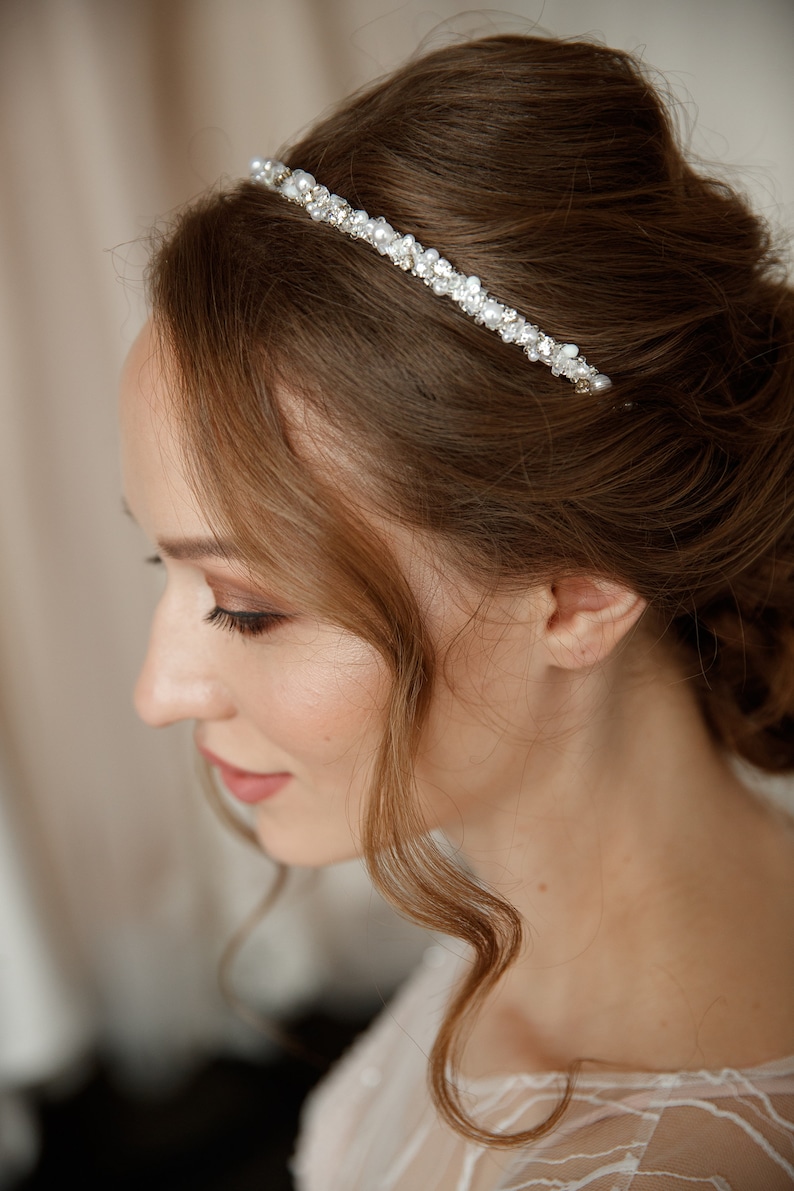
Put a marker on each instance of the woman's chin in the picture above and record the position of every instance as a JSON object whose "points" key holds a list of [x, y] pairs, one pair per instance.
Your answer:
{"points": [[299, 850]]}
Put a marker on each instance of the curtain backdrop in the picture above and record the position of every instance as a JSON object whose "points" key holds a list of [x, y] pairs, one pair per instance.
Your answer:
{"points": [[117, 885]]}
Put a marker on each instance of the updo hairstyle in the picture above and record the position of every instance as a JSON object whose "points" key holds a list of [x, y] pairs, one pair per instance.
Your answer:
{"points": [[551, 170]]}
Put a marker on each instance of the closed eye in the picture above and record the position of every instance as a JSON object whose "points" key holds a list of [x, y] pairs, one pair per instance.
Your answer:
{"points": [[247, 624]]}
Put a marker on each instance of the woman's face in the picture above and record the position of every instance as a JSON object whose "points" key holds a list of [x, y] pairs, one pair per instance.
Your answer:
{"points": [[293, 707]]}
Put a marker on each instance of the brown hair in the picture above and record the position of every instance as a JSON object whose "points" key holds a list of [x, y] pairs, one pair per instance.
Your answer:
{"points": [[551, 170]]}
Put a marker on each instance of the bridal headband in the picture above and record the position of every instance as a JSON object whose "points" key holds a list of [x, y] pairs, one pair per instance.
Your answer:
{"points": [[430, 266]]}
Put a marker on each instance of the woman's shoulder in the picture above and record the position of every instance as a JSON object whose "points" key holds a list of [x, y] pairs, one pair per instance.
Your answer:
{"points": [[727, 1130], [373, 1117]]}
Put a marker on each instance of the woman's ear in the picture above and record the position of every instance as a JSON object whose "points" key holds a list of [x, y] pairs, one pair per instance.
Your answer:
{"points": [[589, 617]]}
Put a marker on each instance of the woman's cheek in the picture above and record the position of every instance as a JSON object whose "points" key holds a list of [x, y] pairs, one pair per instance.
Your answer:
{"points": [[324, 698]]}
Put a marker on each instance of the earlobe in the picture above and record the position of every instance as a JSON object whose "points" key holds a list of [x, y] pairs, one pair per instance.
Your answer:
{"points": [[590, 616]]}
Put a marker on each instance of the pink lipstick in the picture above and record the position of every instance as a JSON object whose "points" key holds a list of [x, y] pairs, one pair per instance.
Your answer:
{"points": [[246, 786]]}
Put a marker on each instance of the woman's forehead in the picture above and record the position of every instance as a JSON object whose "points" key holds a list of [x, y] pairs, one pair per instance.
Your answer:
{"points": [[154, 478]]}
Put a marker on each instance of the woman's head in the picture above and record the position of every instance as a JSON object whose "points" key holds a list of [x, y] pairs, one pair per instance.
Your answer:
{"points": [[320, 394], [549, 170]]}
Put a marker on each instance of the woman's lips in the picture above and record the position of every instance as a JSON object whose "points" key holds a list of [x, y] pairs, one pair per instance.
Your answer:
{"points": [[244, 785]]}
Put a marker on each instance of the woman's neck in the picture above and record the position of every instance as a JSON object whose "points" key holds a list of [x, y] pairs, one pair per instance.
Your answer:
{"points": [[653, 887]]}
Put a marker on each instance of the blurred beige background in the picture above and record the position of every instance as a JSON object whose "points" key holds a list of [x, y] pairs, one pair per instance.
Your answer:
{"points": [[117, 885]]}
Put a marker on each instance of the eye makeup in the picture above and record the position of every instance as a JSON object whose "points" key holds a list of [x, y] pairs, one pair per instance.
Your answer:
{"points": [[252, 622], [247, 624]]}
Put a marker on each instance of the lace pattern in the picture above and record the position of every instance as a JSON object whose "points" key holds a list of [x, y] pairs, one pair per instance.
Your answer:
{"points": [[371, 1125]]}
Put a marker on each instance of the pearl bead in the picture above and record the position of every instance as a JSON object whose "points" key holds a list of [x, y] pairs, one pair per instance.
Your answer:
{"points": [[570, 350], [600, 382], [303, 181], [492, 313], [382, 236]]}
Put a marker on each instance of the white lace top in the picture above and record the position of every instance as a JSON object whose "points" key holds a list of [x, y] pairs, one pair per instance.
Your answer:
{"points": [[371, 1125]]}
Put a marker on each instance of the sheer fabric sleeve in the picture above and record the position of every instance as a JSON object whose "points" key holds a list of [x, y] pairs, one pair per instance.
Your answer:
{"points": [[372, 1125], [723, 1131]]}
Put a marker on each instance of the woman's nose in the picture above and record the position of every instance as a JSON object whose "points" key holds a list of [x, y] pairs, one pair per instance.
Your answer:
{"points": [[178, 679]]}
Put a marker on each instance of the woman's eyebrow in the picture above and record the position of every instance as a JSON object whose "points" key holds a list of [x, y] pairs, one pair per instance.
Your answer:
{"points": [[189, 548], [193, 548]]}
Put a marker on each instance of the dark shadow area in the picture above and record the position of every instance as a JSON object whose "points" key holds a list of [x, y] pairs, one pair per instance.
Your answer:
{"points": [[232, 1127]]}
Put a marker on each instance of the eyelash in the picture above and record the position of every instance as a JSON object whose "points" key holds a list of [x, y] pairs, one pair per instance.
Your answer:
{"points": [[247, 624]]}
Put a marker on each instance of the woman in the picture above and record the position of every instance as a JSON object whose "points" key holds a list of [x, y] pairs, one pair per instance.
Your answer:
{"points": [[501, 628]]}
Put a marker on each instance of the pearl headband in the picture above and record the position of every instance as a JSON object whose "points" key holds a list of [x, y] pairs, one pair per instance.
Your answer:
{"points": [[408, 254]]}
